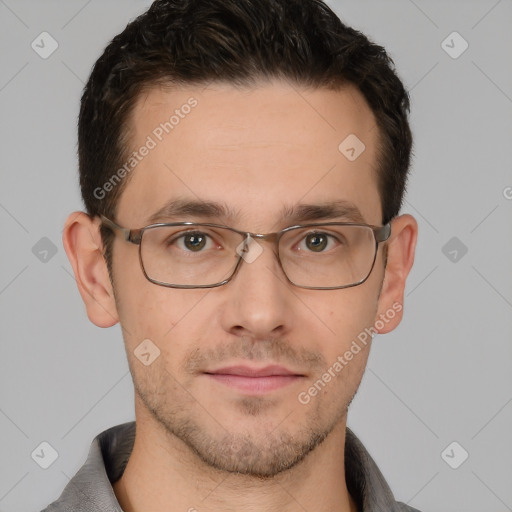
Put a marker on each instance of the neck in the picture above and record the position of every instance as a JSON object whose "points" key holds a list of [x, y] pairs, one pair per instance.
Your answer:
{"points": [[163, 471]]}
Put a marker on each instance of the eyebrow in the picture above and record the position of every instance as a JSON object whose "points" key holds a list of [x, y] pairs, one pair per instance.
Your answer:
{"points": [[207, 210]]}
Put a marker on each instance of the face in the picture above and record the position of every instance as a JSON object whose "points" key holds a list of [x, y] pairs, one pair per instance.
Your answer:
{"points": [[254, 151]]}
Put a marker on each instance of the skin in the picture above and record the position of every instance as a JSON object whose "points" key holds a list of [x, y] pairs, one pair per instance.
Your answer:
{"points": [[200, 444]]}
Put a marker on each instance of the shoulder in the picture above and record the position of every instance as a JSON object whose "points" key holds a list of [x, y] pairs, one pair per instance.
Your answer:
{"points": [[90, 490]]}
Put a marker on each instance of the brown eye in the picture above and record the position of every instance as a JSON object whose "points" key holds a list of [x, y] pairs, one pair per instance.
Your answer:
{"points": [[195, 242], [316, 242]]}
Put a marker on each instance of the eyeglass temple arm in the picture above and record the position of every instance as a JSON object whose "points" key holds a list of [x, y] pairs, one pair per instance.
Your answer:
{"points": [[383, 233], [116, 227]]}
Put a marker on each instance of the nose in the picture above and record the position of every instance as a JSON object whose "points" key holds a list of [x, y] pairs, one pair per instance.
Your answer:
{"points": [[258, 300]]}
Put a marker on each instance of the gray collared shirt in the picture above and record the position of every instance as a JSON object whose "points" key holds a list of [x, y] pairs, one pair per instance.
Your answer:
{"points": [[90, 490]]}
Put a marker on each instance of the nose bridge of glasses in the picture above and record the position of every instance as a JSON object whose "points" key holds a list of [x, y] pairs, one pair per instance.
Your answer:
{"points": [[251, 249], [270, 238]]}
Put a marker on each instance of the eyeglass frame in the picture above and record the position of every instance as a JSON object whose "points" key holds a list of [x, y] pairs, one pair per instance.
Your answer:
{"points": [[134, 236]]}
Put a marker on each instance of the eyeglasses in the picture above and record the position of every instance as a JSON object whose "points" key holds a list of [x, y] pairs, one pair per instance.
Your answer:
{"points": [[323, 256]]}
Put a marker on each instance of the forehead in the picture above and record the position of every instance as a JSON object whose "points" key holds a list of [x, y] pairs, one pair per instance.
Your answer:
{"points": [[255, 150]]}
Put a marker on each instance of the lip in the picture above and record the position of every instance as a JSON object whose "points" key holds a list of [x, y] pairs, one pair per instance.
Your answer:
{"points": [[247, 371], [250, 380]]}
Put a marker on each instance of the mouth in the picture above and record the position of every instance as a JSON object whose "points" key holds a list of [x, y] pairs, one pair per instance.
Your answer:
{"points": [[255, 381]]}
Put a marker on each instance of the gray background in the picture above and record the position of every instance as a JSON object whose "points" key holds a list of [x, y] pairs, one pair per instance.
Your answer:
{"points": [[444, 375]]}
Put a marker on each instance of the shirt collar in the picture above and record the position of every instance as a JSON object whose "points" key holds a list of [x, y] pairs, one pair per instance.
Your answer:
{"points": [[90, 490]]}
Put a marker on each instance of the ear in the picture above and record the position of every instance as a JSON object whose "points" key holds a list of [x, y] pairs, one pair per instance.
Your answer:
{"points": [[82, 242], [401, 247]]}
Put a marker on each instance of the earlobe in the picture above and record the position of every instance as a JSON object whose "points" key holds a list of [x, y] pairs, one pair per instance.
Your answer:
{"points": [[82, 242], [401, 248]]}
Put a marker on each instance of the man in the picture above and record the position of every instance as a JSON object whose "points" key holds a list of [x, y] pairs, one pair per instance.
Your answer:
{"points": [[242, 164]]}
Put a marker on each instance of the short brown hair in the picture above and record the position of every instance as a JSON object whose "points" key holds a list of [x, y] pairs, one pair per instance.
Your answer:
{"points": [[194, 42]]}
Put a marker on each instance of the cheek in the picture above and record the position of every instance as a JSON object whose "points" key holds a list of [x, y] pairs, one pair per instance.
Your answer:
{"points": [[168, 317], [345, 349], [350, 317], [173, 319], [143, 306]]}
